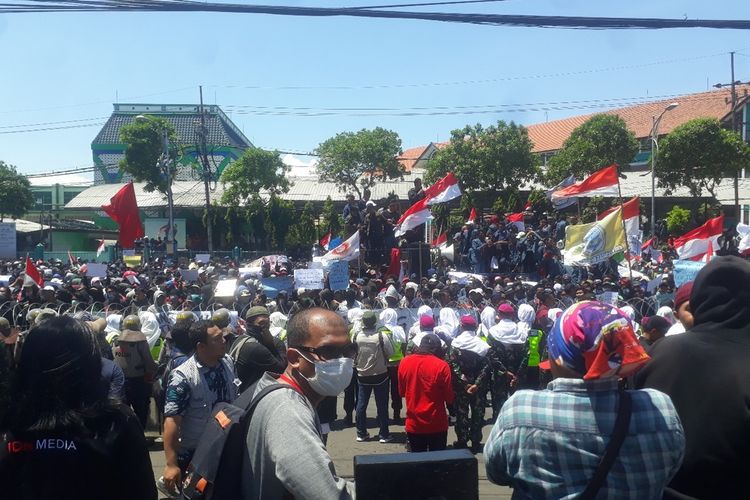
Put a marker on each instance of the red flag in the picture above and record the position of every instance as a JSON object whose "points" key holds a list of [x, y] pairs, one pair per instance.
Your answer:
{"points": [[516, 217], [694, 245], [394, 269], [472, 216], [527, 206], [32, 274], [416, 215], [440, 240], [326, 240], [601, 183], [123, 209], [71, 259], [631, 208]]}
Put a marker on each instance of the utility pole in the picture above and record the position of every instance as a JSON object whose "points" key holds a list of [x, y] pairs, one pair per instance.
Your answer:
{"points": [[733, 85], [166, 165], [202, 153]]}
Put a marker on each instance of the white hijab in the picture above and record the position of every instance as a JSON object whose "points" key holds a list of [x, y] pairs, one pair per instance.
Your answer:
{"points": [[666, 313], [278, 323], [468, 341], [389, 319], [526, 317], [506, 331]]}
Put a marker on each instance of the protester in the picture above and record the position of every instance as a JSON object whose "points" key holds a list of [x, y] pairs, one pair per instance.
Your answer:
{"points": [[285, 454], [470, 375], [375, 347], [194, 387], [653, 329], [682, 310], [62, 436], [555, 454], [507, 353], [257, 351], [425, 382], [705, 372]]}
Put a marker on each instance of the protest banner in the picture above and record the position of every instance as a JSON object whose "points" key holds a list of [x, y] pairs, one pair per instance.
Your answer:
{"points": [[203, 258], [96, 270], [189, 275], [686, 270], [309, 279], [272, 286], [131, 260], [226, 288], [338, 276]]}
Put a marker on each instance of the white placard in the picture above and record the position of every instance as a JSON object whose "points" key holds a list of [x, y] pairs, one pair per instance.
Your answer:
{"points": [[96, 270], [226, 288], [4, 280], [8, 240], [309, 279], [202, 257]]}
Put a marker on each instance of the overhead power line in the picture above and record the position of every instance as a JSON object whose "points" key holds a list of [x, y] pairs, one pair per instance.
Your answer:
{"points": [[570, 22]]}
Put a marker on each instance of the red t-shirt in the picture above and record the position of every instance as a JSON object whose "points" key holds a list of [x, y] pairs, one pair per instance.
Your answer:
{"points": [[425, 381]]}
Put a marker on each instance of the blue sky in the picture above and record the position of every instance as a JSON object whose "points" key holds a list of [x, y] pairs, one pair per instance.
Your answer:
{"points": [[64, 67]]}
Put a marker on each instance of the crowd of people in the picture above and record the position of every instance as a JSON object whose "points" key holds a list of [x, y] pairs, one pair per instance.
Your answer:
{"points": [[559, 358]]}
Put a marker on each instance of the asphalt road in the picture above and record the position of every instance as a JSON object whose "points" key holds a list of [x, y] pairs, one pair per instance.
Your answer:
{"points": [[343, 446]]}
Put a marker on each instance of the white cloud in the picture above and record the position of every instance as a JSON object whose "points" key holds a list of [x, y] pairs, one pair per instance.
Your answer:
{"points": [[300, 167]]}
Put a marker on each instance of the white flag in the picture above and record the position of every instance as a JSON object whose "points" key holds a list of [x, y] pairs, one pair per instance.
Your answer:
{"points": [[348, 250]]}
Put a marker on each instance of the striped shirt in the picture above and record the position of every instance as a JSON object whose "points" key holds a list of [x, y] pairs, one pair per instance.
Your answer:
{"points": [[547, 444]]}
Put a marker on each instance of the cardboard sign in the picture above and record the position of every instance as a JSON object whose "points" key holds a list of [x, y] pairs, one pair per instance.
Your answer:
{"points": [[132, 260], [202, 257], [189, 275], [272, 286], [338, 276], [225, 288], [309, 279], [685, 270], [96, 270]]}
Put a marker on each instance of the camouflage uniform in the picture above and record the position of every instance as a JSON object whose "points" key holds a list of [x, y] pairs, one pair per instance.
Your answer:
{"points": [[503, 359], [467, 369]]}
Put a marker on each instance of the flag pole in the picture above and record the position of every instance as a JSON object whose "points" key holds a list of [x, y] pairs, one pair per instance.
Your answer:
{"points": [[624, 228]]}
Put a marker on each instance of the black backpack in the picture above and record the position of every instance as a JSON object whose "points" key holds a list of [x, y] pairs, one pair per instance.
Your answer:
{"points": [[215, 471]]}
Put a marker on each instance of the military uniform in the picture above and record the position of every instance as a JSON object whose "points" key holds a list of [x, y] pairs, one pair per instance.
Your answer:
{"points": [[467, 369], [503, 359]]}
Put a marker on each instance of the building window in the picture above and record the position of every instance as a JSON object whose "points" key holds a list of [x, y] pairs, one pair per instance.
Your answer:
{"points": [[42, 201], [68, 195]]}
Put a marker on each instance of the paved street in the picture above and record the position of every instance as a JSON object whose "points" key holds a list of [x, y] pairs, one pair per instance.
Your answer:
{"points": [[343, 447]]}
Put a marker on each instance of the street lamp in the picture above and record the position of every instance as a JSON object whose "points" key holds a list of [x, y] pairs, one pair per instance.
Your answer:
{"points": [[654, 151], [164, 164]]}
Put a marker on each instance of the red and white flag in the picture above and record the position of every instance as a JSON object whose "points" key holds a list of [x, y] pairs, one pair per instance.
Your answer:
{"points": [[695, 244], [73, 260], [443, 190], [631, 216], [472, 216], [601, 183], [325, 241], [528, 206], [649, 248], [418, 214], [518, 220], [100, 248], [441, 240], [348, 250], [32, 277], [743, 246]]}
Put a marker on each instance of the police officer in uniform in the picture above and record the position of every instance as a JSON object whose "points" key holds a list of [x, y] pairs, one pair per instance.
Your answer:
{"points": [[132, 354], [222, 319]]}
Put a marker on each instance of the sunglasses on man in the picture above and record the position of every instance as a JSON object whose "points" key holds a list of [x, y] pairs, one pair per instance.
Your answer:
{"points": [[329, 352]]}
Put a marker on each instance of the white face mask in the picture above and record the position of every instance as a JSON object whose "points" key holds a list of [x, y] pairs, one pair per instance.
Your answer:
{"points": [[331, 377]]}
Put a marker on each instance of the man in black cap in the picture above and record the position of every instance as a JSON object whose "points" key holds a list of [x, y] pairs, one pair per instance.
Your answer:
{"points": [[257, 352]]}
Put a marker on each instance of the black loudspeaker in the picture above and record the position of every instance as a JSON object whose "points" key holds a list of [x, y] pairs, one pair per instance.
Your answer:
{"points": [[432, 475], [412, 252]]}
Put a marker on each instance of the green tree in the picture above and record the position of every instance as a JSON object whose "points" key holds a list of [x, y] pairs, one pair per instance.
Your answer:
{"points": [[356, 160], [279, 219], [698, 154], [597, 143], [255, 171], [331, 219], [302, 233], [16, 198], [144, 146], [496, 158], [677, 220]]}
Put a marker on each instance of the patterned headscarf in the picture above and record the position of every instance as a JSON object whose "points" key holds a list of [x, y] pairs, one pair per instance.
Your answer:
{"points": [[596, 340]]}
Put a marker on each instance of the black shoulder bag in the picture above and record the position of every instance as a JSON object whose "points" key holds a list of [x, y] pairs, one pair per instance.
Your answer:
{"points": [[622, 422]]}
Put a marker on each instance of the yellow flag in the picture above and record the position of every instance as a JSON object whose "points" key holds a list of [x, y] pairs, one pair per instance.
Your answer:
{"points": [[132, 260], [596, 242]]}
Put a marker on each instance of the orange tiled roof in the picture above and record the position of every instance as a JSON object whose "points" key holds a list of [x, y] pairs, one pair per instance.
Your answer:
{"points": [[715, 104], [411, 156]]}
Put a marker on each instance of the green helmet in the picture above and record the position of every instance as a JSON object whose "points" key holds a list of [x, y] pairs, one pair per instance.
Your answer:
{"points": [[221, 317], [32, 314], [44, 315], [184, 318], [131, 322], [4, 326]]}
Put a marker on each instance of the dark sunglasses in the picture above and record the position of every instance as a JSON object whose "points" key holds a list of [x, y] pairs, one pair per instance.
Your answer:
{"points": [[328, 352]]}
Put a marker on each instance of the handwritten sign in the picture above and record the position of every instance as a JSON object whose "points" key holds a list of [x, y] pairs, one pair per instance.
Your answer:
{"points": [[338, 276], [309, 279], [225, 288], [8, 240], [685, 270], [202, 257]]}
